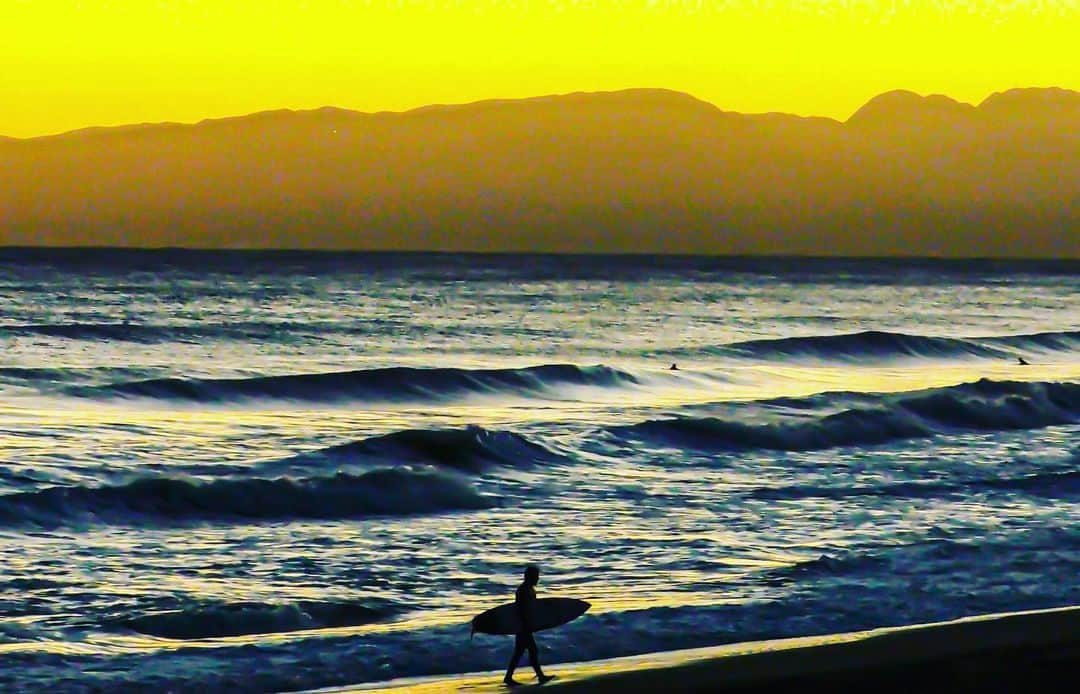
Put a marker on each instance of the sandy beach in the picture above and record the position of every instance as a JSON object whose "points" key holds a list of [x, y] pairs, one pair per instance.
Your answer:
{"points": [[1028, 651]]}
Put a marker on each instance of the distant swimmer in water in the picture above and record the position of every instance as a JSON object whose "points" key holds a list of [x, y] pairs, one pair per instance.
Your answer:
{"points": [[673, 367], [525, 602], [1022, 362]]}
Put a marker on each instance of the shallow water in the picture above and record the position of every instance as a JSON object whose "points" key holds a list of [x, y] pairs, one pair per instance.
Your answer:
{"points": [[272, 472]]}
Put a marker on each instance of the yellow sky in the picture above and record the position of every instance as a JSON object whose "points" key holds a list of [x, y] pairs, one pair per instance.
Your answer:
{"points": [[66, 64]]}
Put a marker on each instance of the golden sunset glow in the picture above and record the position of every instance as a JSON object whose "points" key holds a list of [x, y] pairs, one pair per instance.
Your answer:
{"points": [[74, 63]]}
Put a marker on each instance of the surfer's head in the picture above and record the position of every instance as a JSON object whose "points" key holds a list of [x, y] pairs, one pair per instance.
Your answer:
{"points": [[532, 574]]}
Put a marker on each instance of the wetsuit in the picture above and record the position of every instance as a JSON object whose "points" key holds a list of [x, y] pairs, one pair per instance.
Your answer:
{"points": [[525, 601]]}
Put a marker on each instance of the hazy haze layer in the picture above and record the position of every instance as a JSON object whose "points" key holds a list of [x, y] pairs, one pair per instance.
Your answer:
{"points": [[632, 171]]}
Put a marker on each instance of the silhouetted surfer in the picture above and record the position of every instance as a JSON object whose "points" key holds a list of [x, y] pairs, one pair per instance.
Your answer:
{"points": [[525, 602], [1022, 362], [673, 367]]}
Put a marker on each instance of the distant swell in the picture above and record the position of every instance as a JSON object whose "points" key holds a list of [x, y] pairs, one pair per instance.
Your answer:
{"points": [[240, 619], [981, 406], [394, 383], [148, 333], [98, 331], [382, 492], [871, 344], [875, 344]]}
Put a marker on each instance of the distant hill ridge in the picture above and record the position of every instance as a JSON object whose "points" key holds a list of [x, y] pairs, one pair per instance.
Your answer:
{"points": [[643, 170], [895, 103]]}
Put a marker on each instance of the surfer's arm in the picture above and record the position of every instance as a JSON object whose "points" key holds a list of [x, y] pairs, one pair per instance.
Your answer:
{"points": [[524, 606]]}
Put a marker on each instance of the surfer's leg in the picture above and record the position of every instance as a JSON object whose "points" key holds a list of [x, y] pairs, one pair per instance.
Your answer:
{"points": [[519, 649], [534, 656]]}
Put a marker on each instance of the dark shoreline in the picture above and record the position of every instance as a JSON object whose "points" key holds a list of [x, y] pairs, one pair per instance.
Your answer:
{"points": [[1027, 651]]}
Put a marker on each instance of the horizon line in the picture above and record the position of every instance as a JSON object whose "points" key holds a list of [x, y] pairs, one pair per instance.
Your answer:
{"points": [[623, 254], [495, 100]]}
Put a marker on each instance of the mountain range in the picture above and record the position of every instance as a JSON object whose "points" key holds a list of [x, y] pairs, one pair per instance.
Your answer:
{"points": [[644, 170]]}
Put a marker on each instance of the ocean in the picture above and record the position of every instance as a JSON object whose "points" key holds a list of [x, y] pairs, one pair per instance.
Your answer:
{"points": [[278, 471]]}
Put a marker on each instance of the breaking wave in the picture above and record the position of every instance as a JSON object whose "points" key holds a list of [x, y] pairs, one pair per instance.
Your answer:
{"points": [[382, 492], [874, 344], [984, 405], [393, 383], [471, 449], [245, 618]]}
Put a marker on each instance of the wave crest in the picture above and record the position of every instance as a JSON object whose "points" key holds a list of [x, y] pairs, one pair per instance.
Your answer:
{"points": [[381, 492]]}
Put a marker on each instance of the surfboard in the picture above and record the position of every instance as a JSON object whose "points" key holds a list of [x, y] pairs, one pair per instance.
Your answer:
{"points": [[549, 613]]}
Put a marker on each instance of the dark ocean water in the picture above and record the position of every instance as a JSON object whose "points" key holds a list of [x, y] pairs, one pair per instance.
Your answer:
{"points": [[256, 472]]}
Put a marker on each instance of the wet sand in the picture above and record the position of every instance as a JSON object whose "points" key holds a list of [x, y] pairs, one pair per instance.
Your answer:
{"points": [[1036, 651]]}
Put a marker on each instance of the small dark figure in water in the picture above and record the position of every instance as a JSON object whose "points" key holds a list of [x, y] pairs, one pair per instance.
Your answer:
{"points": [[1022, 362], [673, 367], [525, 601]]}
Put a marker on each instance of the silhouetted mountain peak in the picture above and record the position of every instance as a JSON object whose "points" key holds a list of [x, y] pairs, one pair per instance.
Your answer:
{"points": [[901, 107], [1033, 98], [626, 98]]}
